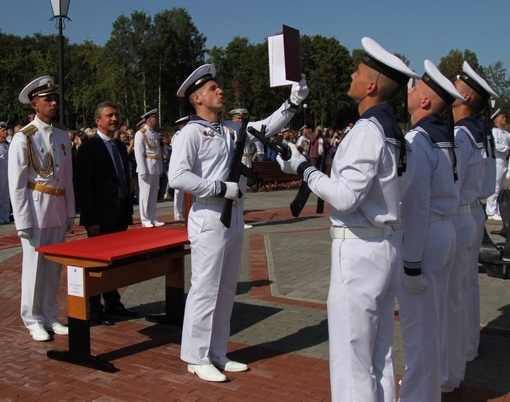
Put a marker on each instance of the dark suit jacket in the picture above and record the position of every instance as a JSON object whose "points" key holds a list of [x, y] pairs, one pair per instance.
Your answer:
{"points": [[97, 187]]}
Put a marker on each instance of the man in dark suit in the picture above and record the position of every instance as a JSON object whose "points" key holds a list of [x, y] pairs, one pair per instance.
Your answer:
{"points": [[102, 173]]}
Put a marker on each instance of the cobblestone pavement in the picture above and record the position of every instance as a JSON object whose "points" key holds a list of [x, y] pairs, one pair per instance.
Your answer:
{"points": [[279, 326]]}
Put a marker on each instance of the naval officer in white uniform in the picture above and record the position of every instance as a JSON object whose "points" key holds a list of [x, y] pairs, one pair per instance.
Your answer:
{"points": [[501, 150], [429, 236], [363, 192], [201, 167], [42, 197], [149, 166]]}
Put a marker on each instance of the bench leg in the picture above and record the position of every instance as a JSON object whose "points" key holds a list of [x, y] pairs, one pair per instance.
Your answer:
{"points": [[79, 348]]}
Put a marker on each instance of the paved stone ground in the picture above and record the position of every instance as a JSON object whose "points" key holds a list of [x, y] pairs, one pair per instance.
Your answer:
{"points": [[279, 326]]}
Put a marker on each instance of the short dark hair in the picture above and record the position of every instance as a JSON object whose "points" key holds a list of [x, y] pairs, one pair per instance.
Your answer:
{"points": [[101, 106]]}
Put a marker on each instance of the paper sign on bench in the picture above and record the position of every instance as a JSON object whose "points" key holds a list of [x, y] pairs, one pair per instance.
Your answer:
{"points": [[75, 281], [284, 58]]}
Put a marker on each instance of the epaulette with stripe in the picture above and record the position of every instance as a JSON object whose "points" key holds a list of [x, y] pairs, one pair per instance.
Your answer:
{"points": [[28, 130], [143, 130]]}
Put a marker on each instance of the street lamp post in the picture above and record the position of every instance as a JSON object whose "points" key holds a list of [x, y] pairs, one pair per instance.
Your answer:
{"points": [[304, 110], [60, 9]]}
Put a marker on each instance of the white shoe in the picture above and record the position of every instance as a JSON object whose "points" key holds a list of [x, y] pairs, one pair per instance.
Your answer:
{"points": [[40, 335], [59, 329], [447, 390], [472, 357], [246, 226], [207, 372], [494, 217], [147, 225], [158, 224], [226, 364]]}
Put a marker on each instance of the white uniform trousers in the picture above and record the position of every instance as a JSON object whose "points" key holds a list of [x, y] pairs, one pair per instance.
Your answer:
{"points": [[215, 260], [472, 295], [421, 317], [40, 279], [178, 205], [148, 198], [360, 306], [453, 360], [492, 201], [5, 203]]}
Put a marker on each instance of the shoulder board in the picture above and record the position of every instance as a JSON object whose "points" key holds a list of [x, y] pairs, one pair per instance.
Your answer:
{"points": [[143, 130], [58, 125], [28, 130]]}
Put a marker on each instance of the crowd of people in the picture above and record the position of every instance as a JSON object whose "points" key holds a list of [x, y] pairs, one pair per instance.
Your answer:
{"points": [[406, 214]]}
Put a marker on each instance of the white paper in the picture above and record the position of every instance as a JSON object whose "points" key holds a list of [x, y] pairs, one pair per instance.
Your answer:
{"points": [[75, 281], [277, 62]]}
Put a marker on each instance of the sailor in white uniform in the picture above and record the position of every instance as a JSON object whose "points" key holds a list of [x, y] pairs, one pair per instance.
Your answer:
{"points": [[149, 166], [178, 195], [201, 167], [429, 235], [42, 197], [363, 192], [502, 149], [471, 153], [5, 205]]}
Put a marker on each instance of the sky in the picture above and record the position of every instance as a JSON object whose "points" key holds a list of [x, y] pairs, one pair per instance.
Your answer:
{"points": [[418, 30]]}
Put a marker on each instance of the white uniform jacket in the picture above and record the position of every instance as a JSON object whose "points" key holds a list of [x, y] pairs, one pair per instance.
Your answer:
{"points": [[471, 162], [203, 151], [501, 142], [363, 189], [147, 152], [32, 208], [431, 193]]}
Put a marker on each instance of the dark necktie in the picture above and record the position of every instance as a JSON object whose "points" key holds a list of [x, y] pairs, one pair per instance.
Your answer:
{"points": [[120, 170]]}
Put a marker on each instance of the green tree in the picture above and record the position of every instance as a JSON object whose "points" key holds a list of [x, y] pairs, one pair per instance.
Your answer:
{"points": [[498, 79], [451, 64]]}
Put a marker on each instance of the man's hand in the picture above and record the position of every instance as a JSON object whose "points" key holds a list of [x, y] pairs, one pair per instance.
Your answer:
{"points": [[414, 284], [25, 233], [144, 177], [93, 230], [291, 166], [232, 192], [299, 91], [70, 224]]}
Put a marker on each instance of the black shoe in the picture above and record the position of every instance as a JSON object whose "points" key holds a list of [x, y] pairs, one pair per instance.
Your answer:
{"points": [[100, 318], [120, 310]]}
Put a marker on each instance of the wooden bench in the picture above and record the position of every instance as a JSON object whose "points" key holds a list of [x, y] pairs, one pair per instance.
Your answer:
{"points": [[102, 263], [269, 172]]}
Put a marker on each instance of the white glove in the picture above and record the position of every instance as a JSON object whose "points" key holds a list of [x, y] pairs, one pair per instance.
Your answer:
{"points": [[291, 166], [70, 224], [143, 176], [232, 192], [25, 233], [299, 91], [414, 284]]}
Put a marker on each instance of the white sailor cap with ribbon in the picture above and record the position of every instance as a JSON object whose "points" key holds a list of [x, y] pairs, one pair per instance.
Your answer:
{"points": [[150, 113], [197, 79], [239, 112], [494, 115], [385, 63], [41, 86], [182, 120], [440, 84], [471, 78]]}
